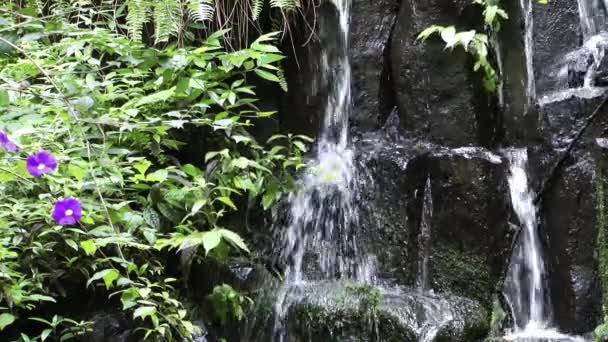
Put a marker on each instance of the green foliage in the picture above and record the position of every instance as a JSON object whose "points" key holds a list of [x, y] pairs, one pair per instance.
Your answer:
{"points": [[475, 43], [601, 332], [113, 112]]}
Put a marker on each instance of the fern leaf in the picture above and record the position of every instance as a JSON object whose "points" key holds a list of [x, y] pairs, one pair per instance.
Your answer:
{"points": [[256, 8], [288, 5], [166, 19], [136, 17], [201, 10], [282, 80]]}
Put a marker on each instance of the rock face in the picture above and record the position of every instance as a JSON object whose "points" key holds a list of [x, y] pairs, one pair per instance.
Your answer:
{"points": [[468, 227], [569, 211], [371, 27], [551, 48], [435, 90]]}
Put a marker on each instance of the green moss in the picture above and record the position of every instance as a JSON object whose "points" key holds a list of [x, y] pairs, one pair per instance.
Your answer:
{"points": [[463, 274]]}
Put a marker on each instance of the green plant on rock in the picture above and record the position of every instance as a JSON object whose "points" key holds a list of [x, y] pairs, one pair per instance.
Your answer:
{"points": [[94, 195], [475, 43]]}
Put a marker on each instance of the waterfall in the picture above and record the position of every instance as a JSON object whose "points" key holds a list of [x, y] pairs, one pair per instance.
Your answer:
{"points": [[424, 239], [527, 9], [526, 289], [525, 286], [320, 241]]}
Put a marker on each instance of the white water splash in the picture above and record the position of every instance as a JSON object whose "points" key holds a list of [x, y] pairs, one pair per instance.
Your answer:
{"points": [[320, 240]]}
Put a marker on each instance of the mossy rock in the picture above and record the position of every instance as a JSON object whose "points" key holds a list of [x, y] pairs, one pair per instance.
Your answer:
{"points": [[345, 311]]}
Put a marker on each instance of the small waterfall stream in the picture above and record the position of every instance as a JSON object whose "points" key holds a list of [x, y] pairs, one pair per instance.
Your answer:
{"points": [[424, 239], [320, 241], [525, 281], [527, 10], [525, 286]]}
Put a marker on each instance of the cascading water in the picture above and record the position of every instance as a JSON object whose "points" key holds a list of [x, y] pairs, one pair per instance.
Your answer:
{"points": [[424, 239], [320, 240], [527, 9], [525, 286]]}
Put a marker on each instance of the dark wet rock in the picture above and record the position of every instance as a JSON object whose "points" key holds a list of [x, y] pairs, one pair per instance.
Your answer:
{"points": [[568, 208], [435, 89], [110, 326], [549, 48], [371, 27], [470, 234]]}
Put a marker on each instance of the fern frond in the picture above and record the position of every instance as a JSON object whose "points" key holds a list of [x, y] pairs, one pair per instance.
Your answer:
{"points": [[166, 19], [137, 16], [282, 80], [256, 8], [201, 10], [288, 5]]}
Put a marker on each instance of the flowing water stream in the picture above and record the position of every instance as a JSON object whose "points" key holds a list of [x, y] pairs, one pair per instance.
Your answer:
{"points": [[527, 10], [320, 241], [525, 286]]}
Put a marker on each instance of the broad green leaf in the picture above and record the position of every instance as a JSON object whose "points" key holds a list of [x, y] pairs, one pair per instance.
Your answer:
{"points": [[45, 334], [6, 319], [158, 176], [144, 311], [211, 240], [88, 246], [234, 239]]}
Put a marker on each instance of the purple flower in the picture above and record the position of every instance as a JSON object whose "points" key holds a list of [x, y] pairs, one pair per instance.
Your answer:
{"points": [[7, 144], [41, 163], [67, 212]]}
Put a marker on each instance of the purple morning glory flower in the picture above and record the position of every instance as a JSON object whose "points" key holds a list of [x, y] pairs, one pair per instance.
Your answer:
{"points": [[7, 144], [41, 163], [67, 212]]}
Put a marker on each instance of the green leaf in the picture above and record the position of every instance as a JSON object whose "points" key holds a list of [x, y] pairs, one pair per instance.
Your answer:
{"points": [[102, 274], [144, 311], [110, 277], [142, 166], [211, 240], [267, 75], [45, 334], [227, 201], [72, 244], [158, 176], [4, 100], [6, 319], [234, 239], [41, 298], [88, 246]]}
